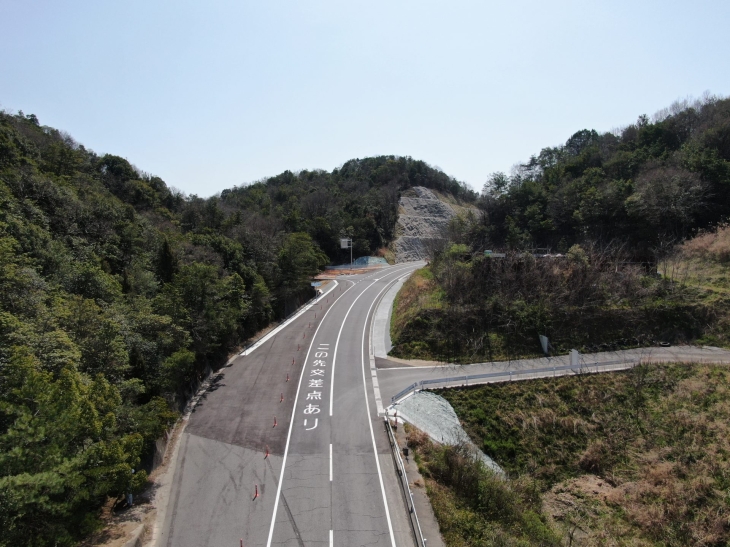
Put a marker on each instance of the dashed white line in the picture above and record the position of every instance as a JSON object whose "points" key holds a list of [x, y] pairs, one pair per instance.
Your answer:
{"points": [[291, 424], [330, 462]]}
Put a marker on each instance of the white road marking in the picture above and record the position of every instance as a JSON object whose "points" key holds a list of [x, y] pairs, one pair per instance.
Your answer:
{"points": [[370, 421], [285, 324], [291, 424], [337, 342], [330, 462], [373, 369]]}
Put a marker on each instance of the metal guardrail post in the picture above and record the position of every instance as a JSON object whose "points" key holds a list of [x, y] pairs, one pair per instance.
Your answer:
{"points": [[405, 487]]}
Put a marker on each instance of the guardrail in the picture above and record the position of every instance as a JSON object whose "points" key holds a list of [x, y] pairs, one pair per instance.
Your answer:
{"points": [[584, 368], [405, 391], [405, 487]]}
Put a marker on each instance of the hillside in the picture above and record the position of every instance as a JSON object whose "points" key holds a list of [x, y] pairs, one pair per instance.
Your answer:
{"points": [[616, 207], [357, 200], [116, 293], [648, 185], [631, 458]]}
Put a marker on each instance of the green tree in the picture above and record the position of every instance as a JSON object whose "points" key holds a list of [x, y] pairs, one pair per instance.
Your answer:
{"points": [[299, 260]]}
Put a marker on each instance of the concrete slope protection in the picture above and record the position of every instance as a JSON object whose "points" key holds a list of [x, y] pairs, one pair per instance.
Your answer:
{"points": [[288, 449], [423, 219]]}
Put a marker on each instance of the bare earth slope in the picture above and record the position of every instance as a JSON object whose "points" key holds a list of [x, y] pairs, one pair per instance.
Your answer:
{"points": [[423, 219]]}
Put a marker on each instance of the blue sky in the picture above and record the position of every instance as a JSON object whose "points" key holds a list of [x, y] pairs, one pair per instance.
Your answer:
{"points": [[208, 95]]}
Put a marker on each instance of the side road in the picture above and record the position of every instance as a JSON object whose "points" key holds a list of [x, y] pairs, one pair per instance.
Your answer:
{"points": [[396, 375]]}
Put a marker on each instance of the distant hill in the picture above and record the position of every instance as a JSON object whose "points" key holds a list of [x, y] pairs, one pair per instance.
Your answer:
{"points": [[116, 292], [357, 200]]}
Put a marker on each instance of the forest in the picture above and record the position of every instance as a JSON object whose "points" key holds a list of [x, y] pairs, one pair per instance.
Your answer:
{"points": [[117, 292], [613, 212], [648, 186]]}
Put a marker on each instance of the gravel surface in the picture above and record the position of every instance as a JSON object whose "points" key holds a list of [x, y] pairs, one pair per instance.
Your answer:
{"points": [[434, 416]]}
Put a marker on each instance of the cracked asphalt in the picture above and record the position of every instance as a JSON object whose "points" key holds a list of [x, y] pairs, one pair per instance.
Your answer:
{"points": [[339, 486]]}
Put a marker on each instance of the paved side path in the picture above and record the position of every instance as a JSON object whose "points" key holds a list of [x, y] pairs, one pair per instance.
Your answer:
{"points": [[381, 319], [394, 377]]}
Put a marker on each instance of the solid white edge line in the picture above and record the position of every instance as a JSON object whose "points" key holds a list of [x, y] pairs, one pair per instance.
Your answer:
{"points": [[330, 462], [339, 334], [291, 423], [371, 356], [264, 339], [370, 420]]}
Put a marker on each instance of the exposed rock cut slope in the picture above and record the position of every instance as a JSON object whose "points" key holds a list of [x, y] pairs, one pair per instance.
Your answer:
{"points": [[423, 219]]}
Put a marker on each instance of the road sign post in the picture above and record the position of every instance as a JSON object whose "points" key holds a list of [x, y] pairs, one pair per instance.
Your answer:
{"points": [[346, 243]]}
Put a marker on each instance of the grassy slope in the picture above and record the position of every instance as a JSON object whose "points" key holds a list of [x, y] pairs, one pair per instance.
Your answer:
{"points": [[419, 296], [633, 458], [703, 264], [475, 507]]}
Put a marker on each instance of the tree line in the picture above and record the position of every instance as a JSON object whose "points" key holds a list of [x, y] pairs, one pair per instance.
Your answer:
{"points": [[649, 185], [116, 291], [610, 207]]}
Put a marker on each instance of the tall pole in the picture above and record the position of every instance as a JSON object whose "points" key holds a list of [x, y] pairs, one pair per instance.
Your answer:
{"points": [[351, 254]]}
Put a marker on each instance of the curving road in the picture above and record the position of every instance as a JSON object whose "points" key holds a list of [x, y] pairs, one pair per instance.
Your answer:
{"points": [[287, 448]]}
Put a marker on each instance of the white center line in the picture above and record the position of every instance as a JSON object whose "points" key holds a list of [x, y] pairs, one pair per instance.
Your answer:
{"points": [[370, 421], [331, 539], [339, 334], [330, 462], [291, 423]]}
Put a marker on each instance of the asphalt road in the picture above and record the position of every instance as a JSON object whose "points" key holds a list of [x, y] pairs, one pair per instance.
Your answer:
{"points": [[287, 448]]}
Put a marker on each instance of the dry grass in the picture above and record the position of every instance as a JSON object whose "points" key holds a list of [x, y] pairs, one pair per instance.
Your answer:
{"points": [[635, 458], [709, 246], [702, 267], [418, 293]]}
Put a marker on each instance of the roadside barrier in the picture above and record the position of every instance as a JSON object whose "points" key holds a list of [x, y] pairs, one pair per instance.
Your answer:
{"points": [[405, 487], [510, 375]]}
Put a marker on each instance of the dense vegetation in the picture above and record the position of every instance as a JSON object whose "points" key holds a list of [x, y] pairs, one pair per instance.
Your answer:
{"points": [[631, 458], [116, 292], [470, 309], [473, 506], [649, 185], [358, 200], [616, 206]]}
